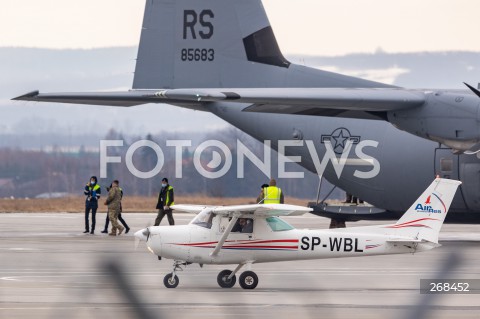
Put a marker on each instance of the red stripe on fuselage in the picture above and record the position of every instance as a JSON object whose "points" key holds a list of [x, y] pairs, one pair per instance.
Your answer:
{"points": [[242, 242]]}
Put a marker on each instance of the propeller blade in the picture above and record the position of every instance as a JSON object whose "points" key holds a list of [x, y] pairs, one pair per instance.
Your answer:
{"points": [[147, 233], [142, 235], [474, 90]]}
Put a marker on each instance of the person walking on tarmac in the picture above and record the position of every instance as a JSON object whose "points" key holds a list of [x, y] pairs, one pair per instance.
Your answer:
{"points": [[107, 220], [114, 202], [92, 191], [165, 200], [271, 194]]}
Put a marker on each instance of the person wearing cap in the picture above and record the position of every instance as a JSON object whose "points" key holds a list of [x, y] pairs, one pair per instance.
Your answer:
{"points": [[164, 203], [271, 194], [261, 197], [92, 192]]}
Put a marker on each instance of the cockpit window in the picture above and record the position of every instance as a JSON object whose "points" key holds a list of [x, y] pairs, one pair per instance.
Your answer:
{"points": [[204, 219], [276, 224]]}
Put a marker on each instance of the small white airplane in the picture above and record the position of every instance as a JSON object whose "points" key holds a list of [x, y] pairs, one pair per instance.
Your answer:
{"points": [[248, 234]]}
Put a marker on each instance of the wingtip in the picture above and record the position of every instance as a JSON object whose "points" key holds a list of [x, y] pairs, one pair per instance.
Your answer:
{"points": [[26, 97]]}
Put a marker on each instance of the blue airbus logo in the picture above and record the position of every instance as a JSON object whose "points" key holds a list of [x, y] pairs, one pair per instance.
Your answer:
{"points": [[428, 208], [338, 138]]}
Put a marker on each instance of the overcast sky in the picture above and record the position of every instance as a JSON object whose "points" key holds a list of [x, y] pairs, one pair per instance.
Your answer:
{"points": [[315, 27]]}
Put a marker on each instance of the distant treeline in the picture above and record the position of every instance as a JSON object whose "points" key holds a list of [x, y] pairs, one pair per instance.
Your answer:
{"points": [[26, 173]]}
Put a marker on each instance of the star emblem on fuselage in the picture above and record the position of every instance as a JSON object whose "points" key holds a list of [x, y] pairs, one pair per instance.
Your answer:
{"points": [[338, 138]]}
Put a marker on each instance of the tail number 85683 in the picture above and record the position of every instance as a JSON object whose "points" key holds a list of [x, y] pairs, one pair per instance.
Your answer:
{"points": [[197, 54]]}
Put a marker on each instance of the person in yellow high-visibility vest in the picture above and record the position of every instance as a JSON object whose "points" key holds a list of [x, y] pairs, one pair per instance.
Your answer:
{"points": [[92, 192], [271, 194], [165, 200]]}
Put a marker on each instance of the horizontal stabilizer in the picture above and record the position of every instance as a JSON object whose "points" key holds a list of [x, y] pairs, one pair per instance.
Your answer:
{"points": [[414, 244], [403, 240], [309, 101]]}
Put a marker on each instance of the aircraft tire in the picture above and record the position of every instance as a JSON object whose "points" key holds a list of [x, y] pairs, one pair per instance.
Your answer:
{"points": [[248, 280], [223, 281], [171, 281]]}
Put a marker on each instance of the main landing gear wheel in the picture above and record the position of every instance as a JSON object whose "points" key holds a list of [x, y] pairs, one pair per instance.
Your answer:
{"points": [[223, 280], [248, 280], [171, 280]]}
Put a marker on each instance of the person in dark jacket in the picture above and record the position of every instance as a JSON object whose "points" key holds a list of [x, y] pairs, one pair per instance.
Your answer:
{"points": [[107, 220], [165, 200], [92, 192]]}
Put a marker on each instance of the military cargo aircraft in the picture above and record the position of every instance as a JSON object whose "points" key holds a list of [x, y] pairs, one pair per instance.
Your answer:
{"points": [[243, 234], [221, 56]]}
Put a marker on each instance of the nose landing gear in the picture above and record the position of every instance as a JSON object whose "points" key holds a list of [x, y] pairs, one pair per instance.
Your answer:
{"points": [[171, 280]]}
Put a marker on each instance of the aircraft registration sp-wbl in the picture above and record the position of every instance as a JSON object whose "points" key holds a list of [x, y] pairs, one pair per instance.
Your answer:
{"points": [[214, 236], [221, 56]]}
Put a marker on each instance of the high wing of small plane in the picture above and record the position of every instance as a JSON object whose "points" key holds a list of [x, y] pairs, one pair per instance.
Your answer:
{"points": [[260, 210], [249, 234]]}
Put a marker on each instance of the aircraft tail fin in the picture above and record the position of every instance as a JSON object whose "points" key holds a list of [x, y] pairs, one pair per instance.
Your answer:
{"points": [[191, 43], [219, 44], [424, 219]]}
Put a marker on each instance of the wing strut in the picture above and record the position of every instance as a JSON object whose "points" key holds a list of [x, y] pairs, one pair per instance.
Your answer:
{"points": [[225, 234]]}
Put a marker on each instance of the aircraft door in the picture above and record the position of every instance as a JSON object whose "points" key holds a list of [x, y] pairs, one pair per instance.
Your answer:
{"points": [[446, 163]]}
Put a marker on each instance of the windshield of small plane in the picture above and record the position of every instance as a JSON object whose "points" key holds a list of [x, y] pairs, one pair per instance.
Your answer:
{"points": [[203, 219], [276, 224]]}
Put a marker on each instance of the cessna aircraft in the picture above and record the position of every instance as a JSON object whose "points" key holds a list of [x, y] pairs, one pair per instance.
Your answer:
{"points": [[214, 236], [221, 56]]}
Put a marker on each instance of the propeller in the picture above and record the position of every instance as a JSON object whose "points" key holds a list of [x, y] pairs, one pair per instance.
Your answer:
{"points": [[142, 235], [146, 232], [474, 90]]}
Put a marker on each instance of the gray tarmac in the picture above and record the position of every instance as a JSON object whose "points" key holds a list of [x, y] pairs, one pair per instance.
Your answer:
{"points": [[50, 269]]}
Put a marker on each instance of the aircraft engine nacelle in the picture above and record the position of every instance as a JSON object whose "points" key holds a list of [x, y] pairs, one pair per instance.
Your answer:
{"points": [[448, 117]]}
